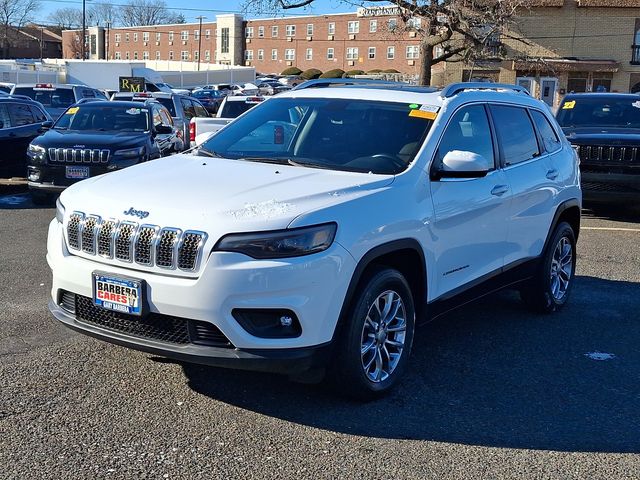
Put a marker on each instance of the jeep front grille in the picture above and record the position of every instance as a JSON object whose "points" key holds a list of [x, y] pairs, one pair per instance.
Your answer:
{"points": [[609, 155], [78, 155], [126, 241]]}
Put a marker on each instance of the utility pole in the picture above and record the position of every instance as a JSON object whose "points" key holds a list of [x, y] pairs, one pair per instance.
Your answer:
{"points": [[84, 28], [108, 40], [200, 18], [41, 39]]}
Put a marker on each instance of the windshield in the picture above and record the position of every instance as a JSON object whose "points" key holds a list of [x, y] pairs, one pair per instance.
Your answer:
{"points": [[166, 102], [235, 109], [57, 98], [338, 134], [104, 118], [600, 112]]}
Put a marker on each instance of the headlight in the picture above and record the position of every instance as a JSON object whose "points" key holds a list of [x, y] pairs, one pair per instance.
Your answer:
{"points": [[36, 149], [130, 152], [59, 210], [293, 242]]}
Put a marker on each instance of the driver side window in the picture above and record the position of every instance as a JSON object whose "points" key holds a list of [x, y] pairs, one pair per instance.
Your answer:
{"points": [[468, 131]]}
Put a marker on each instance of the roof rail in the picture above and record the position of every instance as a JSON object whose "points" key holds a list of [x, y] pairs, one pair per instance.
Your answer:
{"points": [[21, 97], [455, 88], [89, 100], [340, 82]]}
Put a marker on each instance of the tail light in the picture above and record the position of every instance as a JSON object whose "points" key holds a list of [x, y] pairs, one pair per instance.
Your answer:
{"points": [[192, 131]]}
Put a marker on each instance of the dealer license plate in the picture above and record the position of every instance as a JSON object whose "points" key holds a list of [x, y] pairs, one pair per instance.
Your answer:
{"points": [[118, 294], [77, 172]]}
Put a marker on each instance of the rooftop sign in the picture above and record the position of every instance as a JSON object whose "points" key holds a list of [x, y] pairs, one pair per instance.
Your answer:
{"points": [[378, 11]]}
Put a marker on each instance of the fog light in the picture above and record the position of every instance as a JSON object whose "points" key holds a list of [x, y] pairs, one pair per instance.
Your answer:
{"points": [[268, 323], [34, 175]]}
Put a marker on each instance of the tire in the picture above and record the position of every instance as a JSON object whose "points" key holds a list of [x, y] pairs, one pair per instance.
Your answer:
{"points": [[548, 291], [42, 198], [369, 374]]}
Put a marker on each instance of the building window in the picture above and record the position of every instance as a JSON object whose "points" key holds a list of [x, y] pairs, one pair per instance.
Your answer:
{"points": [[290, 30], [248, 32], [135, 55], [145, 36], [391, 53], [353, 27], [392, 24], [413, 23], [373, 26], [171, 55], [145, 55], [309, 55], [289, 54], [157, 55], [126, 55], [184, 35], [372, 52], [184, 55], [330, 54], [207, 34], [126, 37], [117, 37], [352, 53], [413, 51], [135, 37], [207, 55], [171, 36], [309, 29], [224, 44], [261, 32], [117, 56], [331, 28], [261, 54], [158, 36], [196, 55], [274, 54], [248, 54], [196, 35], [274, 31]]}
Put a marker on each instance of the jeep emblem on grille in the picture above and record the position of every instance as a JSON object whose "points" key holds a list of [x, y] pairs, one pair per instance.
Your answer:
{"points": [[136, 213], [78, 146]]}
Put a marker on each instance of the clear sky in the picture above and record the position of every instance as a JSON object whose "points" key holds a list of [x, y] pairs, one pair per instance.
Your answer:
{"points": [[192, 8]]}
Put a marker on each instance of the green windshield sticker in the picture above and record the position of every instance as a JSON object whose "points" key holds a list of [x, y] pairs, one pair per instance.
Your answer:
{"points": [[414, 105]]}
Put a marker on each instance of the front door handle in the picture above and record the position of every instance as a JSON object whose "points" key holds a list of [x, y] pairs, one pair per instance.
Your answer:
{"points": [[552, 174], [499, 190]]}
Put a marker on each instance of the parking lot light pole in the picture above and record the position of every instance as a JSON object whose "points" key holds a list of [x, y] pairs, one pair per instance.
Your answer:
{"points": [[200, 18]]}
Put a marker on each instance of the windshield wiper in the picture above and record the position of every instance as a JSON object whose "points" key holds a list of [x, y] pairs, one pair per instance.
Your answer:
{"points": [[276, 160], [203, 152]]}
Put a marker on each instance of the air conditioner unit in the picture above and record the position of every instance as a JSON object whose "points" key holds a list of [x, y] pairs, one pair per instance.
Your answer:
{"points": [[170, 43], [309, 38], [351, 63], [117, 44], [247, 63], [352, 36], [184, 42], [289, 39], [157, 43], [330, 37], [248, 40], [412, 34], [146, 43], [289, 63], [411, 62]]}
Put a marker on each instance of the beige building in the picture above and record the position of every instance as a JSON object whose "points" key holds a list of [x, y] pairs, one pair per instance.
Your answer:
{"points": [[570, 46]]}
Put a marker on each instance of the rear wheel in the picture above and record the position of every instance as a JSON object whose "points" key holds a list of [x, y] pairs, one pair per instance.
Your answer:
{"points": [[375, 343], [549, 290]]}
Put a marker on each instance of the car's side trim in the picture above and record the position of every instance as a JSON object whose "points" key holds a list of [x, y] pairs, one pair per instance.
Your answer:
{"points": [[571, 203]]}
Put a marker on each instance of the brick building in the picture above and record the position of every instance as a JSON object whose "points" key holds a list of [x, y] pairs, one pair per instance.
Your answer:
{"points": [[571, 45], [30, 41]]}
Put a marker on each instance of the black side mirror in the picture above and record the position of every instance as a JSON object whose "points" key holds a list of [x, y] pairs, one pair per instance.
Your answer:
{"points": [[164, 129], [46, 125]]}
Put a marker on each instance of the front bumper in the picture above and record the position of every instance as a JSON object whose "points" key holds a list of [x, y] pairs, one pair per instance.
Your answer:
{"points": [[312, 287], [615, 186], [53, 178]]}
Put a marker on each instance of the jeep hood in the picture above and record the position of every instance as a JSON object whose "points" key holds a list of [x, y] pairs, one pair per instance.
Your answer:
{"points": [[217, 195]]}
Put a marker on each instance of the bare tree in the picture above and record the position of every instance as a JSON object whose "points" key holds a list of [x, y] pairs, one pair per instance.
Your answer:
{"points": [[449, 30], [66, 18], [13, 16], [147, 12], [103, 14]]}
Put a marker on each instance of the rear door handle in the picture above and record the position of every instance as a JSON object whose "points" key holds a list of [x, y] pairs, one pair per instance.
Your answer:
{"points": [[552, 174], [499, 190]]}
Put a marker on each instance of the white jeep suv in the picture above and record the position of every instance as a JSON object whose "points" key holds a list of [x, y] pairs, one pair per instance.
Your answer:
{"points": [[317, 229]]}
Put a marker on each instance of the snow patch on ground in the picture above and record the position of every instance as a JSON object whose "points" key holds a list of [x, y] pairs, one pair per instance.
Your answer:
{"points": [[268, 209], [600, 356]]}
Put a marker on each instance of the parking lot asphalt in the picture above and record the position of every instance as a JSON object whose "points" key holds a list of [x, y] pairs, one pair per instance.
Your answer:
{"points": [[492, 391]]}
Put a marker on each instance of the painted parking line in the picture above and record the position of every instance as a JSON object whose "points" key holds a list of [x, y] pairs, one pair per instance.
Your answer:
{"points": [[612, 229]]}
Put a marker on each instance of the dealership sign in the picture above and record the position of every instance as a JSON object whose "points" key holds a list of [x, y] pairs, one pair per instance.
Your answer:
{"points": [[378, 11]]}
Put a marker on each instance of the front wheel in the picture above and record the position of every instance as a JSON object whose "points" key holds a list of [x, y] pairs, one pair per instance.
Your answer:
{"points": [[549, 289], [375, 343]]}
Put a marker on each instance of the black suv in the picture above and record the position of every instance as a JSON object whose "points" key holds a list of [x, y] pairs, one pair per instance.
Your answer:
{"points": [[21, 120], [92, 138], [604, 129]]}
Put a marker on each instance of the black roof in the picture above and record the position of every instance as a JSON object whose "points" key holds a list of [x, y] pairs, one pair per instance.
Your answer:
{"points": [[17, 98], [603, 95]]}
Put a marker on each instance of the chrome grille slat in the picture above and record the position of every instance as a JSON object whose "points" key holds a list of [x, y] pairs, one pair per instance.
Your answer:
{"points": [[608, 155], [78, 155], [126, 241]]}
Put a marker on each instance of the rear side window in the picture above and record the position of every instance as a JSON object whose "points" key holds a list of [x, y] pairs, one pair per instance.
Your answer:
{"points": [[5, 119], [88, 93], [51, 98], [20, 115], [200, 110], [550, 140], [468, 131], [187, 106], [515, 134], [38, 114], [168, 104]]}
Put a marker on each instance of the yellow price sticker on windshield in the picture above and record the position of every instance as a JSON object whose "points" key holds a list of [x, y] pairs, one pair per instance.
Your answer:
{"points": [[429, 112], [569, 105], [73, 110]]}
